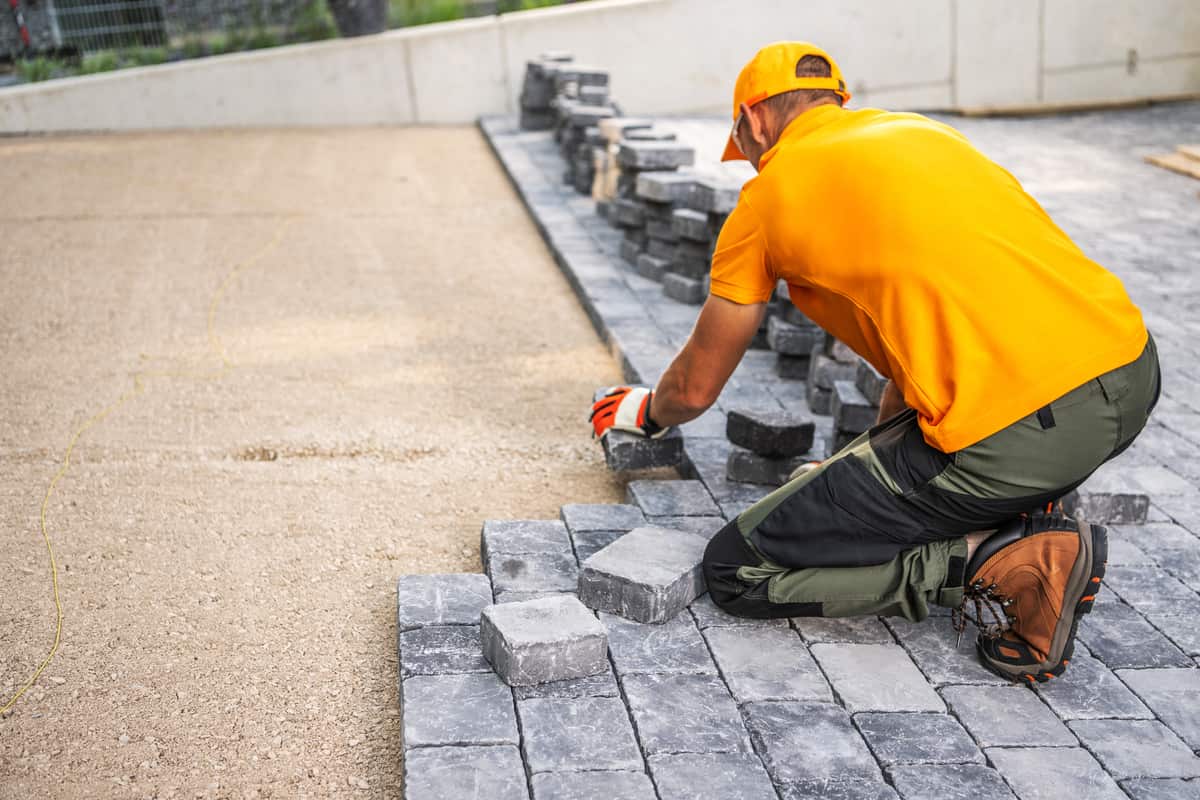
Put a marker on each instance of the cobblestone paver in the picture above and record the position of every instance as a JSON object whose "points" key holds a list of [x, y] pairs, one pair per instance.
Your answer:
{"points": [[701, 706]]}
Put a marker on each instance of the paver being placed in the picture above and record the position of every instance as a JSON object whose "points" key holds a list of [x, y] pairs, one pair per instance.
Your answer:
{"points": [[1007, 716], [457, 709], [674, 646], [813, 749], [437, 773], [1045, 773], [454, 599], [539, 641], [628, 451], [582, 517], [876, 677], [592, 786], [1128, 748], [685, 714], [648, 575], [578, 735], [728, 776], [767, 664], [772, 433], [1173, 695], [949, 782], [917, 739], [672, 499], [441, 650]]}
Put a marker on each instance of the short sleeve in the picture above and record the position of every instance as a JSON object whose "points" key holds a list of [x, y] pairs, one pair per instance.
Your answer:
{"points": [[741, 270]]}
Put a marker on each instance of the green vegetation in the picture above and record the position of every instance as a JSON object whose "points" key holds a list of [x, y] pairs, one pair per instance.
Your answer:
{"points": [[37, 69], [313, 23], [145, 56], [100, 62], [404, 13]]}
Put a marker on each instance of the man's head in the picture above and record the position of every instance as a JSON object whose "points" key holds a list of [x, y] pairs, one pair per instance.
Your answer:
{"points": [[782, 81]]}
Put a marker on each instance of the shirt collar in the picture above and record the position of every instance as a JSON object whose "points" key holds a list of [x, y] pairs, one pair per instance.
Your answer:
{"points": [[802, 125]]}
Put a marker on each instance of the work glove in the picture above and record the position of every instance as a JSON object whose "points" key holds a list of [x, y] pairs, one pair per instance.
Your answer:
{"points": [[625, 408]]}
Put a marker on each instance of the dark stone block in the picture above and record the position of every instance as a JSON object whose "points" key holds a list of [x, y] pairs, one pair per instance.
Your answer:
{"points": [[580, 517], [441, 650], [728, 776], [745, 466], [672, 498], [870, 382], [662, 230], [522, 536], [770, 433], [820, 401], [578, 734], [647, 575], [824, 371], [685, 714], [626, 213], [544, 640], [664, 187], [690, 291], [533, 572], [457, 709], [906, 738], [654, 155], [660, 249], [812, 746], [630, 250], [626, 451], [693, 225], [793, 340], [438, 773], [714, 195], [1120, 637], [926, 782], [441, 599], [852, 412], [792, 367]]}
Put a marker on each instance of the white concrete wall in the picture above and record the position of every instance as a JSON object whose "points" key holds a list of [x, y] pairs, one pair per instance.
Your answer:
{"points": [[666, 57]]}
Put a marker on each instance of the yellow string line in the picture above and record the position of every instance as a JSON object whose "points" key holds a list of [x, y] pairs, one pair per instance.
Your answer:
{"points": [[215, 347]]}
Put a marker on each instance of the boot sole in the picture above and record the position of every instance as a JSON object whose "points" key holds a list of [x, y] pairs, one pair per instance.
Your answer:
{"points": [[1095, 550]]}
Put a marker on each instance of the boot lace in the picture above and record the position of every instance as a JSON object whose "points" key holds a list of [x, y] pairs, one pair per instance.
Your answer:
{"points": [[988, 611]]}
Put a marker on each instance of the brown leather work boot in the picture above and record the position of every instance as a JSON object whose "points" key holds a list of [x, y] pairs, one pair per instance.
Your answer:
{"points": [[1033, 579]]}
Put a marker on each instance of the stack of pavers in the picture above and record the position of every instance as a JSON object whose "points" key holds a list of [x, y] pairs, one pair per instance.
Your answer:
{"points": [[538, 90], [644, 219], [581, 101], [769, 444]]}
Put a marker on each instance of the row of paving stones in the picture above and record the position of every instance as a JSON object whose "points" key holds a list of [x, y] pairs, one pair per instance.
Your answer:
{"points": [[710, 705]]}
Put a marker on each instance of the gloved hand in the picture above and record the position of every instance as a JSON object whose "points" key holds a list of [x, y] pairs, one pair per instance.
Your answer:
{"points": [[625, 408]]}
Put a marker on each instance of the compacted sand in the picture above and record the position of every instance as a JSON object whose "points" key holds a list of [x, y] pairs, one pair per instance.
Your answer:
{"points": [[404, 361]]}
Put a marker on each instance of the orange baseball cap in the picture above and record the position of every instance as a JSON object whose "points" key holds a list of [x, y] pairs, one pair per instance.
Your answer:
{"points": [[772, 71]]}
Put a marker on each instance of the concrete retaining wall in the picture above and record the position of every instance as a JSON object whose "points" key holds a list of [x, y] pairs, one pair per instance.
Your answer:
{"points": [[666, 57]]}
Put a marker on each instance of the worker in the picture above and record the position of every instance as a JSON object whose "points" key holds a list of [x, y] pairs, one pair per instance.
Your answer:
{"points": [[1016, 367]]}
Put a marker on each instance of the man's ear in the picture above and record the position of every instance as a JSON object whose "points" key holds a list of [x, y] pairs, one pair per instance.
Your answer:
{"points": [[756, 122]]}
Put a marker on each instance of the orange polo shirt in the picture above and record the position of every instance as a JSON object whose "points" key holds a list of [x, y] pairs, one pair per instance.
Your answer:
{"points": [[901, 239]]}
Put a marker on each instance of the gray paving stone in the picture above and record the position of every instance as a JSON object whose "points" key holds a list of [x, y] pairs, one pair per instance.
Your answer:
{"points": [[1090, 690], [793, 368], [672, 498], [1122, 552], [707, 527], [917, 739], [544, 640], [457, 710], [1137, 748], [684, 714], [931, 643], [851, 410], [1039, 773], [588, 543], [766, 664], [628, 451], [441, 650], [1183, 631], [674, 646], [1098, 501], [949, 782], [1151, 590], [719, 776], [1120, 637], [707, 615], [860, 630], [1006, 716], [665, 187], [1172, 546], [684, 289], [689, 224], [876, 677], [438, 773], [578, 734], [523, 536], [1162, 789], [789, 339], [603, 684], [812, 748], [441, 599], [1173, 695], [648, 575], [769, 432], [870, 382], [534, 572], [592, 786], [824, 371], [513, 596], [654, 155], [745, 466]]}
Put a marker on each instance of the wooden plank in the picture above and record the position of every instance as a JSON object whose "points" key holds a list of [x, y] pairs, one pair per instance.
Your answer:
{"points": [[1177, 162], [1192, 151]]}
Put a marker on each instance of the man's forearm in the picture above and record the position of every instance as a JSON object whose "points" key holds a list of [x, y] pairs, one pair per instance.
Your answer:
{"points": [[672, 403], [892, 402]]}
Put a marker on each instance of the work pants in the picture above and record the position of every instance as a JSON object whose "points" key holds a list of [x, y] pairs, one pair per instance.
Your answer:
{"points": [[878, 528]]}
